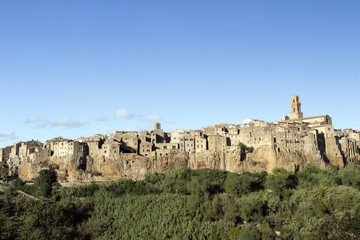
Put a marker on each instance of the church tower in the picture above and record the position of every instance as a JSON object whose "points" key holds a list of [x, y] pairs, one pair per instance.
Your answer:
{"points": [[157, 126], [295, 112]]}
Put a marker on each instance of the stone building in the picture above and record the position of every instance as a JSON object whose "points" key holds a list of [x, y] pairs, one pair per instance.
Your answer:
{"points": [[145, 148], [200, 144], [111, 148], [158, 135], [215, 130], [167, 146], [20, 149], [5, 153], [62, 148], [187, 143], [177, 135], [94, 145], [217, 143], [38, 155], [129, 138]]}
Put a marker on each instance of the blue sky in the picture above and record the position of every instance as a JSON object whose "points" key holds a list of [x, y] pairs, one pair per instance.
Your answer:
{"points": [[77, 68]]}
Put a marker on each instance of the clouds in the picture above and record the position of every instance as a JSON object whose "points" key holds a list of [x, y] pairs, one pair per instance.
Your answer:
{"points": [[34, 119], [126, 114], [69, 123], [123, 113], [152, 118], [7, 136], [41, 123], [102, 118], [121, 117]]}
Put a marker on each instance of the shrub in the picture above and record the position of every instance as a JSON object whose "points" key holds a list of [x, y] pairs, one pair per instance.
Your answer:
{"points": [[350, 175], [45, 181], [244, 183], [281, 181]]}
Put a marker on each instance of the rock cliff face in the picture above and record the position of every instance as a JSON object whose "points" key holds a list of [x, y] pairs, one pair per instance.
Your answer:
{"points": [[133, 166]]}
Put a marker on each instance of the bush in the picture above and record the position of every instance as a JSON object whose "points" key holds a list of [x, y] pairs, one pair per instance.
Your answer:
{"points": [[312, 176], [154, 178], [244, 183], [281, 181], [206, 182], [4, 171], [350, 175], [252, 207], [251, 149], [44, 182]]}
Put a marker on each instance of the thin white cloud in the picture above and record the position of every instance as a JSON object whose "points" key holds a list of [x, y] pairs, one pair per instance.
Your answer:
{"points": [[69, 123], [42, 125], [102, 118], [123, 113], [34, 119], [132, 128], [169, 121], [7, 136], [152, 118]]}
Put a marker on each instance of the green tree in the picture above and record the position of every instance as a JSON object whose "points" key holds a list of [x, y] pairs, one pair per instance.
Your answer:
{"points": [[4, 171], [311, 176], [244, 183], [350, 175], [44, 182], [281, 181]]}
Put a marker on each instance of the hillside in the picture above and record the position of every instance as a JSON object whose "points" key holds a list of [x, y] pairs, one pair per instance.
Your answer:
{"points": [[188, 204]]}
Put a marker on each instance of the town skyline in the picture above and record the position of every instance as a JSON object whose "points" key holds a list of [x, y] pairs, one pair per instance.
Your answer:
{"points": [[290, 143]]}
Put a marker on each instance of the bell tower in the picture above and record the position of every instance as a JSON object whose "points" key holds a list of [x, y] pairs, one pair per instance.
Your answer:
{"points": [[295, 105], [157, 126]]}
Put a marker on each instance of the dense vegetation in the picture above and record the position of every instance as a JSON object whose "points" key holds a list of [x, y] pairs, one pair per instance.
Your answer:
{"points": [[188, 204]]}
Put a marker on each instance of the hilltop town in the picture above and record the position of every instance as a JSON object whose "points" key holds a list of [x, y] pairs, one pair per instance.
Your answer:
{"points": [[254, 145]]}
